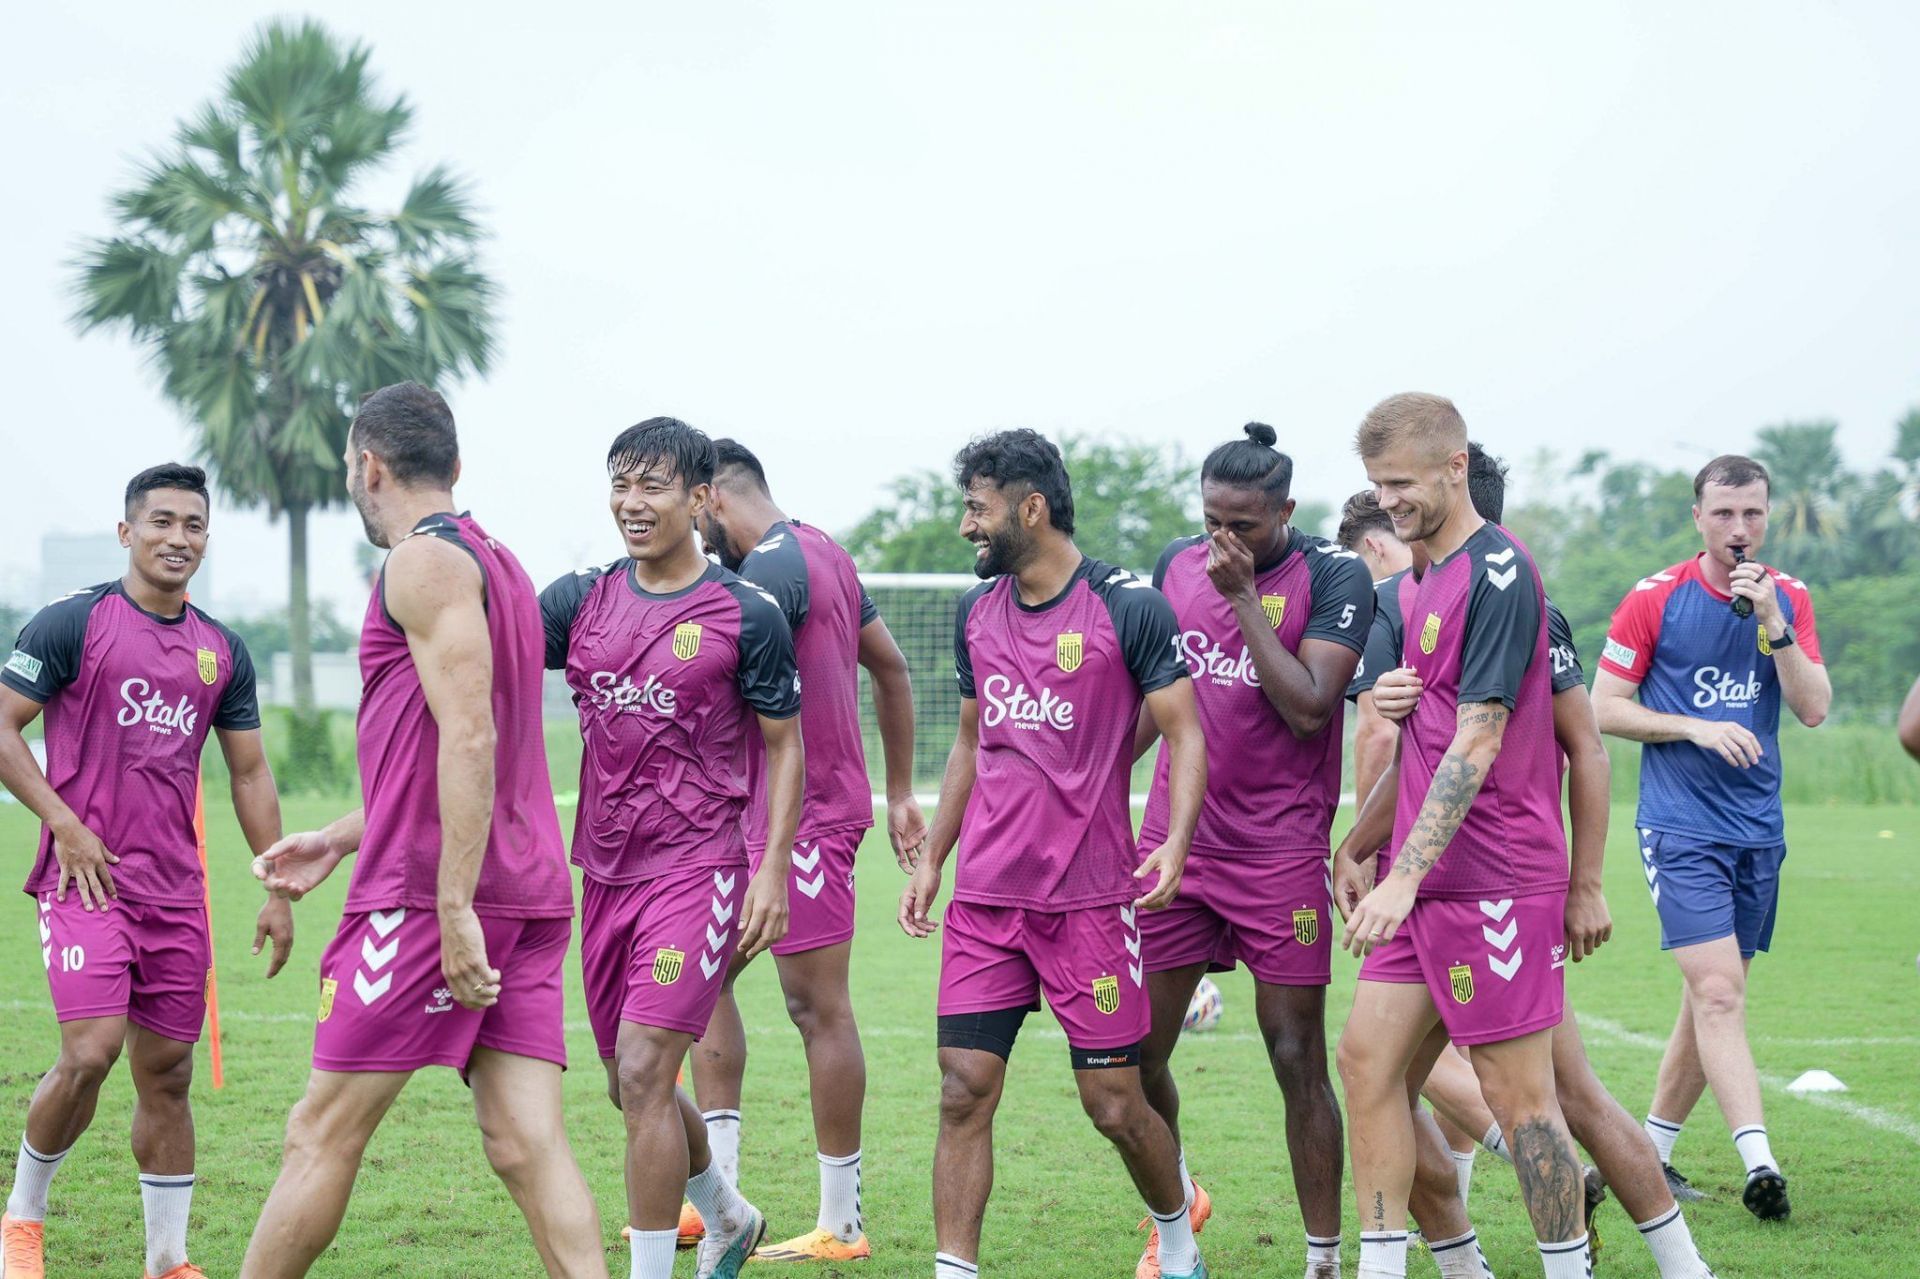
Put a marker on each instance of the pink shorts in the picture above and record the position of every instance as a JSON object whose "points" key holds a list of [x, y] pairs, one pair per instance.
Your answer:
{"points": [[1086, 962], [384, 1004], [1494, 969], [147, 963], [656, 952], [819, 891], [1270, 914]]}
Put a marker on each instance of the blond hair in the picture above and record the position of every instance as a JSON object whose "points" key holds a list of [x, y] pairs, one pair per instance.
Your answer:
{"points": [[1429, 423]]}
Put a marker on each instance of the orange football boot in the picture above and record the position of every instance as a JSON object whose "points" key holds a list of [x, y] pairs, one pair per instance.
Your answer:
{"points": [[1197, 1212], [692, 1229], [22, 1249], [815, 1245]]}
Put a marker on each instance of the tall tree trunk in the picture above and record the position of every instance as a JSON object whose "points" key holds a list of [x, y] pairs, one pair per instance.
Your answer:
{"points": [[299, 612]]}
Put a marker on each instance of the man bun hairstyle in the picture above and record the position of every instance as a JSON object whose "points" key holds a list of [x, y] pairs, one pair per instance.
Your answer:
{"points": [[1486, 483], [1251, 463], [1429, 423], [1024, 459], [686, 452], [167, 475], [730, 455], [1732, 470], [1360, 517], [410, 428]]}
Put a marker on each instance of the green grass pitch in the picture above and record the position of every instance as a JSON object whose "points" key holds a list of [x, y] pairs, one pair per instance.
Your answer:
{"points": [[1840, 992]]}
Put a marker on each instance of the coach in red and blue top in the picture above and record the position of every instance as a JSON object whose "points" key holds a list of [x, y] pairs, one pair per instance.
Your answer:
{"points": [[1712, 646]]}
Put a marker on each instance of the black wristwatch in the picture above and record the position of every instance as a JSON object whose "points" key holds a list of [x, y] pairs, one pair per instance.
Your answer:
{"points": [[1786, 640]]}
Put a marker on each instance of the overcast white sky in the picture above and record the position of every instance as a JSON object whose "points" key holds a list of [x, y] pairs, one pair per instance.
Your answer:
{"points": [[855, 234]]}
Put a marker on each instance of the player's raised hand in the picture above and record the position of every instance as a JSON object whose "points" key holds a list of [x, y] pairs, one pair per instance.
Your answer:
{"points": [[1379, 916], [276, 922], [297, 864], [1397, 692], [1229, 564], [1352, 880], [907, 829], [1169, 863], [916, 900], [1733, 743], [1589, 923], [1750, 580], [763, 917], [84, 859], [463, 959]]}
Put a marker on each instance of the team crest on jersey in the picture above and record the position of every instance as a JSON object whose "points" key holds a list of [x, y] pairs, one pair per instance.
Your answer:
{"points": [[1069, 650], [1462, 978], [1306, 926], [1106, 994], [667, 963], [1430, 639], [327, 986], [1766, 646], [209, 666], [686, 640], [1275, 607]]}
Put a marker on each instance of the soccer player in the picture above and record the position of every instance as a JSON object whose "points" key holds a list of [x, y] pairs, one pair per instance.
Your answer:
{"points": [[1711, 646], [457, 916], [1479, 843], [675, 664], [131, 678], [1272, 621], [1055, 654], [836, 630], [1367, 531]]}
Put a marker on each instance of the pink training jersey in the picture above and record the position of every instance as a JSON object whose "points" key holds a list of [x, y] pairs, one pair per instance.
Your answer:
{"points": [[667, 687], [1269, 794], [1476, 631], [1059, 687], [818, 590], [524, 874], [131, 698]]}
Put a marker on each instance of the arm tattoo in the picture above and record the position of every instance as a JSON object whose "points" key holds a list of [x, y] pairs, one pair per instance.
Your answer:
{"points": [[1455, 783], [1551, 1182]]}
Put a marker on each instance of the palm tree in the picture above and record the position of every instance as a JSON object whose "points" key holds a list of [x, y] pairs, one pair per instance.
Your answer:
{"points": [[270, 299], [1906, 451], [1808, 475]]}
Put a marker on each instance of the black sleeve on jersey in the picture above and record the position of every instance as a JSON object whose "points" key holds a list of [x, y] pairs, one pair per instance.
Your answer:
{"points": [[1503, 625], [46, 656], [239, 707], [869, 611], [962, 659], [779, 567], [1167, 556], [1342, 597], [768, 675], [1560, 647], [1147, 628], [1385, 639], [559, 605]]}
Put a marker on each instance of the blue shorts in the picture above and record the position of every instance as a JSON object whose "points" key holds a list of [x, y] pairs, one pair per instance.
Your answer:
{"points": [[1705, 891]]}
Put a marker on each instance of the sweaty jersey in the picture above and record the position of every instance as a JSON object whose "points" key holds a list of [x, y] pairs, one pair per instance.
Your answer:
{"points": [[667, 687], [1475, 631], [818, 590], [1386, 638], [1677, 638], [131, 698], [524, 874], [1059, 687], [1269, 794]]}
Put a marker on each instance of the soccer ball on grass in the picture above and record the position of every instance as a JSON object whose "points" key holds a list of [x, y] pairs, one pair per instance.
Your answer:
{"points": [[1203, 1011]]}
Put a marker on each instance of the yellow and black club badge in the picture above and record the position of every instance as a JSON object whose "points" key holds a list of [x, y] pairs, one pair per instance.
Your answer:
{"points": [[1306, 926], [1106, 994], [327, 986], [1069, 650], [667, 963], [210, 663], [686, 640], [1430, 634], [1766, 646], [1462, 978], [1275, 607]]}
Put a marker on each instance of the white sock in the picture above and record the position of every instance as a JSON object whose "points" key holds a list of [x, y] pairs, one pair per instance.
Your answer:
{"points": [[1664, 1134], [1671, 1243], [1383, 1254], [723, 1136], [1186, 1178], [719, 1204], [1751, 1142], [1463, 1172], [1496, 1143], [948, 1266], [1567, 1259], [167, 1200], [653, 1253], [840, 1196], [1323, 1252], [32, 1174], [1179, 1255], [1459, 1257]]}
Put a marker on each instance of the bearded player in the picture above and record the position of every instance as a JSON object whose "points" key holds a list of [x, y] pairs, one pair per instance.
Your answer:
{"points": [[1055, 654], [1272, 622], [131, 678], [457, 917], [674, 664], [836, 631]]}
